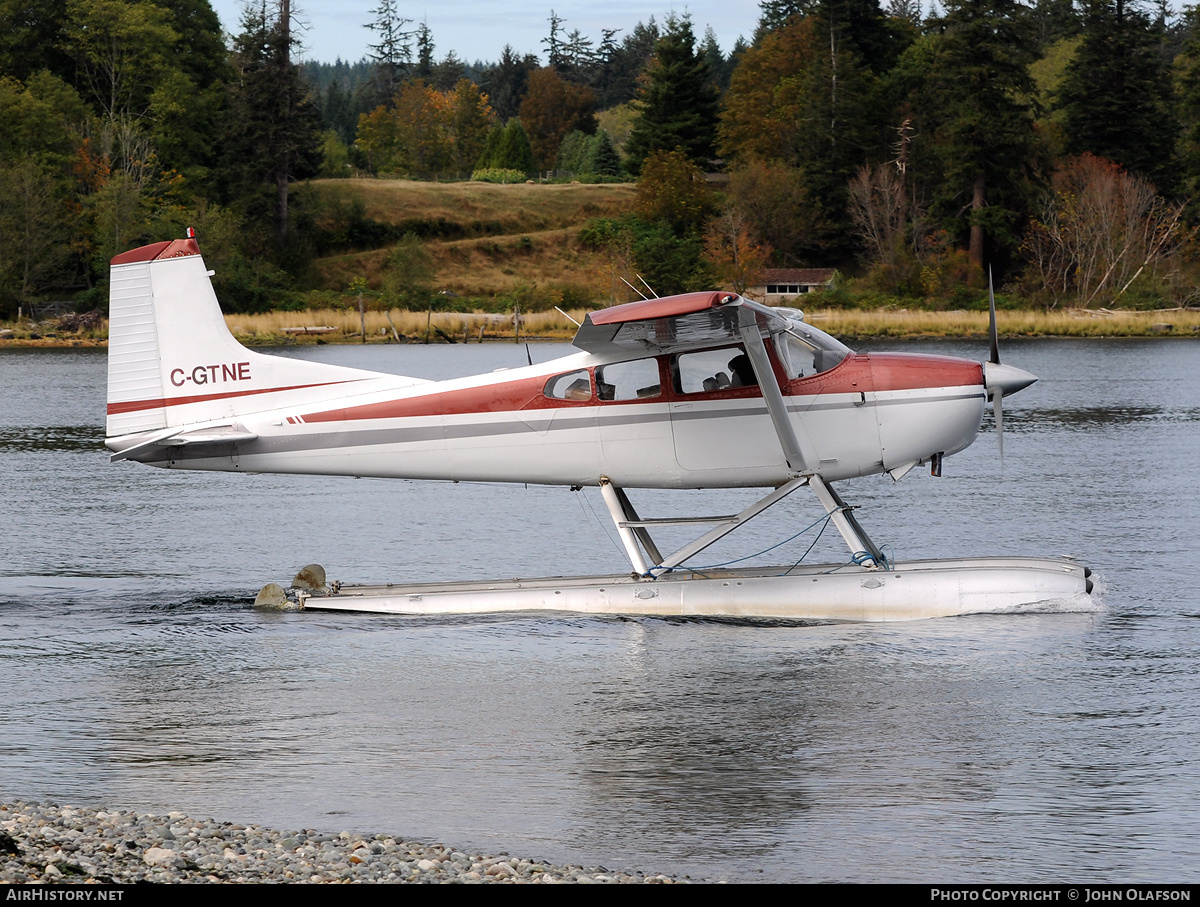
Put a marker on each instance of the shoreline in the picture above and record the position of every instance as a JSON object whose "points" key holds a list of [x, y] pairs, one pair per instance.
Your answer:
{"points": [[72, 845], [330, 326]]}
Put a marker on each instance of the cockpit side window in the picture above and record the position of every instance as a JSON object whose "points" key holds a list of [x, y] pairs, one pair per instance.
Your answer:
{"points": [[575, 385], [712, 370], [634, 380]]}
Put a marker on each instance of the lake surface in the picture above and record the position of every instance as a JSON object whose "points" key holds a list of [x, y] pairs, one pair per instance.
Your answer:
{"points": [[1044, 747]]}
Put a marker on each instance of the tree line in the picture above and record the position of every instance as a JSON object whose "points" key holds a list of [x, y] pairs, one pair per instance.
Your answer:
{"points": [[1056, 144]]}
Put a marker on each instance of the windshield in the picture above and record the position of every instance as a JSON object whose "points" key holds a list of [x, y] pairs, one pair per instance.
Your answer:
{"points": [[805, 350]]}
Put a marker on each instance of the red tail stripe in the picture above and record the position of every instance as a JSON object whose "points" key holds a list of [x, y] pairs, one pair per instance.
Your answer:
{"points": [[133, 406]]}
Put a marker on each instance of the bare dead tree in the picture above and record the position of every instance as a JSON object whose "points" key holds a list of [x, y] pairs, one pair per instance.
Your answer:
{"points": [[1099, 231]]}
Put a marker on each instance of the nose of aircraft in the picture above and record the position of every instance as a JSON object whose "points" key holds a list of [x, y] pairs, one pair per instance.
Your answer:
{"points": [[1005, 378]]}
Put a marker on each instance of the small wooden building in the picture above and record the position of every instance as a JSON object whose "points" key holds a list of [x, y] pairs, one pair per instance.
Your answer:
{"points": [[780, 286]]}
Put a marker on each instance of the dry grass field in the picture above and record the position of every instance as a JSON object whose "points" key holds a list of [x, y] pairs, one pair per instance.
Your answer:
{"points": [[343, 326], [517, 235], [844, 323], [386, 326], [1060, 323]]}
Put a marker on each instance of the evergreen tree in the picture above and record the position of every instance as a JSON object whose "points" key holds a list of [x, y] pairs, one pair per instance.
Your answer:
{"points": [[970, 93], [513, 151], [624, 64], [603, 72], [555, 55], [425, 63], [775, 14], [1117, 95], [602, 158], [581, 59], [507, 82], [715, 60], [907, 11], [678, 106], [1187, 84], [274, 132], [572, 154], [446, 74], [1055, 20], [391, 57]]}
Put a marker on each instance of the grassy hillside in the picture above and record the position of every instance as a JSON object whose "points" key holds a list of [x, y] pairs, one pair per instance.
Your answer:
{"points": [[485, 239]]}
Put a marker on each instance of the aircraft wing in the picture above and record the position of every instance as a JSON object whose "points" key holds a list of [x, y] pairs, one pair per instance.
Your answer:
{"points": [[689, 321]]}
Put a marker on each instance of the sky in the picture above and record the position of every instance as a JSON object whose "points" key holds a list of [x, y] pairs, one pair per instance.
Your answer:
{"points": [[479, 29]]}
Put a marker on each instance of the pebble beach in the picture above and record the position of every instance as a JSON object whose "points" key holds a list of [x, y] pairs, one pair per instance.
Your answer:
{"points": [[52, 844]]}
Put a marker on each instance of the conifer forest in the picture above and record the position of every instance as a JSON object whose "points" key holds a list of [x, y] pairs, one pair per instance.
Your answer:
{"points": [[914, 148]]}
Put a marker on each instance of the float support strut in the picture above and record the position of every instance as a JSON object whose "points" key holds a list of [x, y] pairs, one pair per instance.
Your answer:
{"points": [[632, 528], [619, 509], [843, 518]]}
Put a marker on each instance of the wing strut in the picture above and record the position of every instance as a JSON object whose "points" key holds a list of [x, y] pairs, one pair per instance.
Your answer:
{"points": [[800, 455]]}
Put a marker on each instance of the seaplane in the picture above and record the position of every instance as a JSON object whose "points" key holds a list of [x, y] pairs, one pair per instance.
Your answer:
{"points": [[698, 391]]}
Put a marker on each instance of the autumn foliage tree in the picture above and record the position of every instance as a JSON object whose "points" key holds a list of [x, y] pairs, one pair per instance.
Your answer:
{"points": [[733, 251], [425, 131], [552, 109], [804, 97]]}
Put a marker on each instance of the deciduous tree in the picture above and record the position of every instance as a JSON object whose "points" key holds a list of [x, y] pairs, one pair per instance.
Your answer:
{"points": [[731, 248], [554, 107], [671, 189], [1099, 231]]}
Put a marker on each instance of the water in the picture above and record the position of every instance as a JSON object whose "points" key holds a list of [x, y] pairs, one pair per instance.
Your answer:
{"points": [[1039, 747]]}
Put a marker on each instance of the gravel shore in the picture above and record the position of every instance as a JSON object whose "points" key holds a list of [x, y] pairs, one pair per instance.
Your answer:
{"points": [[46, 843]]}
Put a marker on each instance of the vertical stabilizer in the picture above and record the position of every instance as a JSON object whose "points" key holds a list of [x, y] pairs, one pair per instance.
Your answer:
{"points": [[172, 361]]}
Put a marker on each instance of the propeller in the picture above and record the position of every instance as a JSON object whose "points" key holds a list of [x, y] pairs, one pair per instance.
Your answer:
{"points": [[998, 379]]}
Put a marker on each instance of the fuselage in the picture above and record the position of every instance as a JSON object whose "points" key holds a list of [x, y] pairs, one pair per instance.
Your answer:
{"points": [[692, 391], [649, 421]]}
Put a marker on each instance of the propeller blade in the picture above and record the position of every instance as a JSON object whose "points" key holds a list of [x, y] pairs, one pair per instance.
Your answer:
{"points": [[993, 333], [998, 410]]}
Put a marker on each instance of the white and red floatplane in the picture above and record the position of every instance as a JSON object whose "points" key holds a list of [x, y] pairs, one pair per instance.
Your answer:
{"points": [[703, 390]]}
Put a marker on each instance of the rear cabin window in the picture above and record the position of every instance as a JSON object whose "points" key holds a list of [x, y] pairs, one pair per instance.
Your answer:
{"points": [[713, 370], [636, 380], [571, 386]]}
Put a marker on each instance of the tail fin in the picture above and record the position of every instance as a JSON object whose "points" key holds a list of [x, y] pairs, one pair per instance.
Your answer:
{"points": [[173, 362]]}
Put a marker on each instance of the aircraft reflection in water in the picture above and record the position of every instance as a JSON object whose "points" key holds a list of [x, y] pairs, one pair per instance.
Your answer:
{"points": [[704, 390]]}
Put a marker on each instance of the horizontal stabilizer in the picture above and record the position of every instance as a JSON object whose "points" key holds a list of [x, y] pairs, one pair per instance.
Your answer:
{"points": [[221, 434]]}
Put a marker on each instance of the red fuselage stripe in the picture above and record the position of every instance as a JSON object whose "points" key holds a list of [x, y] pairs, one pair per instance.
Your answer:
{"points": [[872, 372]]}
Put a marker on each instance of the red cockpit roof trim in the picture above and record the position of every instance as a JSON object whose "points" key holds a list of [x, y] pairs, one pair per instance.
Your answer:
{"points": [[667, 307]]}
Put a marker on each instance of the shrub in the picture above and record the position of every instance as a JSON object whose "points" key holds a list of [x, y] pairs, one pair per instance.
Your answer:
{"points": [[498, 175]]}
